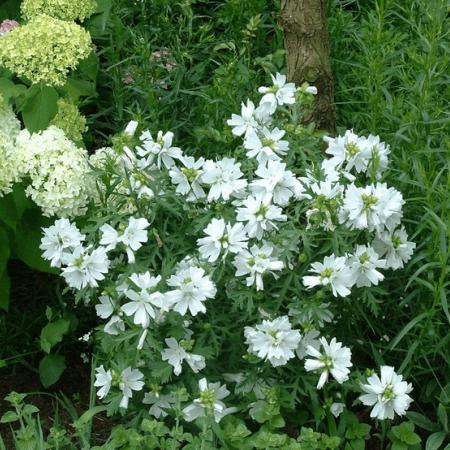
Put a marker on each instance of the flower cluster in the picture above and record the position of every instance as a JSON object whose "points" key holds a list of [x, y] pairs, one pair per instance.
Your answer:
{"points": [[234, 259], [59, 9], [44, 49], [9, 167], [69, 119], [59, 172]]}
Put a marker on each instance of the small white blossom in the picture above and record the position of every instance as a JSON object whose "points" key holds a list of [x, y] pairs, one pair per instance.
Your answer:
{"points": [[275, 180], [209, 402], [222, 237], [134, 235], [260, 215], [103, 380], [337, 409], [309, 338], [160, 404], [192, 288], [364, 264], [160, 148], [266, 146], [281, 93], [244, 123], [256, 262], [84, 268], [175, 354], [187, 179], [388, 395], [395, 247], [334, 360], [273, 340], [130, 380], [59, 241], [333, 272], [224, 178]]}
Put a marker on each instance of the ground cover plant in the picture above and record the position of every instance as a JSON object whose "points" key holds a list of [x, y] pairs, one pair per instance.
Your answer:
{"points": [[228, 273]]}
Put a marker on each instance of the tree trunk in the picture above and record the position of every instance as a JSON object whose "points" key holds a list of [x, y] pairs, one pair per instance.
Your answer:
{"points": [[308, 54]]}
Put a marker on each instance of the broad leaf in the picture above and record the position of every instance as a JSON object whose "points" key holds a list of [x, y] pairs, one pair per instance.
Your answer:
{"points": [[39, 107], [51, 368]]}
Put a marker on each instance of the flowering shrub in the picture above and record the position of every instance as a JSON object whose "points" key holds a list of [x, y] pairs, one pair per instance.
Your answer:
{"points": [[44, 49], [217, 280], [59, 9]]}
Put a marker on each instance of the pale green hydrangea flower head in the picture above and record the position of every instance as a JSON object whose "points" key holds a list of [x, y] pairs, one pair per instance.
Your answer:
{"points": [[59, 9], [61, 182], [69, 119], [45, 49], [9, 163]]}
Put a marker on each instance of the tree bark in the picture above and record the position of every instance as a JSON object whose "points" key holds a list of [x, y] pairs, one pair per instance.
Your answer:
{"points": [[308, 54]]}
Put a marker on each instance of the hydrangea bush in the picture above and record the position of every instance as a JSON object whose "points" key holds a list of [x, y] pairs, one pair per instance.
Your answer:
{"points": [[219, 283]]}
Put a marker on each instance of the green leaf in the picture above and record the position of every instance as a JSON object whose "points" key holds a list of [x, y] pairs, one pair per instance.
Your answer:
{"points": [[80, 88], [10, 89], [435, 440], [39, 107], [421, 421], [30, 409], [8, 211], [53, 333], [405, 433], [89, 66], [51, 368], [442, 416], [8, 417]]}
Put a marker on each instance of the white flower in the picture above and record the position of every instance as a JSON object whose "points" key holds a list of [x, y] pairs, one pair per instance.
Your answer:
{"points": [[59, 241], [106, 309], [335, 359], [143, 303], [336, 409], [333, 272], [273, 340], [103, 380], [310, 338], [134, 235], [379, 156], [267, 146], [161, 148], [275, 180], [245, 122], [221, 237], [373, 207], [187, 179], [388, 395], [131, 128], [175, 354], [364, 264], [192, 289], [209, 402], [160, 403], [260, 215], [281, 93], [395, 247], [109, 238], [85, 269], [130, 380], [255, 263], [224, 178]]}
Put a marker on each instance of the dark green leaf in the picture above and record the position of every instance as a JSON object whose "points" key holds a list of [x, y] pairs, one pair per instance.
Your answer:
{"points": [[51, 368], [435, 440], [39, 107], [53, 333]]}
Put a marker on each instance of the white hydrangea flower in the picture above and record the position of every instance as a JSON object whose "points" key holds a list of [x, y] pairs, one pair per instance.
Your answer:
{"points": [[260, 215], [256, 262], [333, 272], [143, 303], [334, 360], [175, 354], [192, 288], [388, 395], [103, 380], [268, 145], [61, 179], [59, 241], [395, 247], [160, 148], [275, 180], [224, 178], [209, 402], [280, 93], [244, 123], [273, 340], [221, 237], [373, 207], [130, 380], [187, 179], [364, 264], [159, 404], [84, 268]]}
